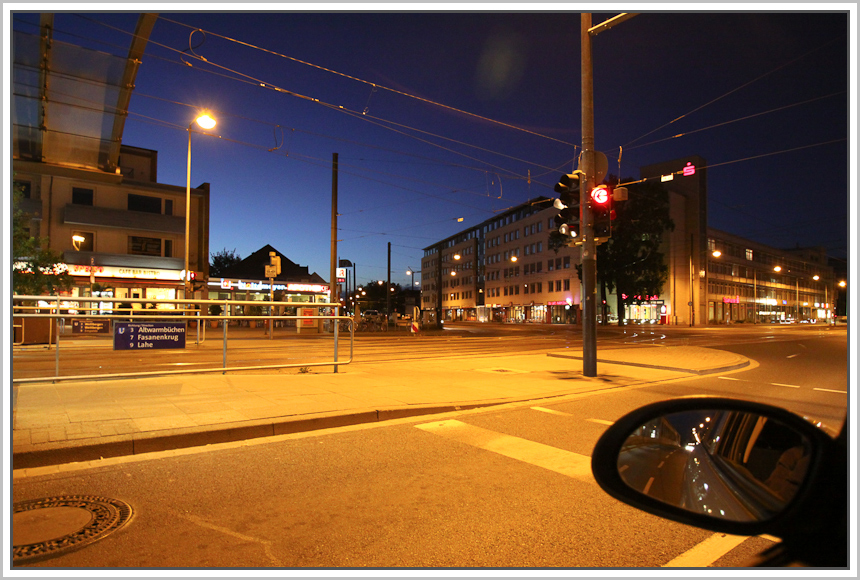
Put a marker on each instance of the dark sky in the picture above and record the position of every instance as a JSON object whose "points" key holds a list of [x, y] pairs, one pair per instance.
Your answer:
{"points": [[763, 97]]}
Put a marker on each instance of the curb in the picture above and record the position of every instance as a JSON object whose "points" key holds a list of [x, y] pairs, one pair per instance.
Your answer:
{"points": [[135, 444], [708, 371]]}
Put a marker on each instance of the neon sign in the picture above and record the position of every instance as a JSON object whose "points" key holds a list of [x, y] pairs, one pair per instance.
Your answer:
{"points": [[690, 169]]}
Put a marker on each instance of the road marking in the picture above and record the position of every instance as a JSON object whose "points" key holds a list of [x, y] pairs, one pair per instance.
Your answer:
{"points": [[551, 411], [573, 465], [552, 458], [830, 391], [706, 553], [782, 385], [729, 379], [793, 355], [648, 485], [601, 421]]}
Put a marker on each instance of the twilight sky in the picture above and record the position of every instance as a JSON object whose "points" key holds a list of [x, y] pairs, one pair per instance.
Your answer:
{"points": [[438, 116]]}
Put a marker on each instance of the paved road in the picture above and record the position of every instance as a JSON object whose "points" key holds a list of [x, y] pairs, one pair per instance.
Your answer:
{"points": [[504, 486]]}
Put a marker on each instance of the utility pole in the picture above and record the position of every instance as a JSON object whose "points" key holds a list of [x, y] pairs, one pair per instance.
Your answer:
{"points": [[589, 245], [388, 289], [333, 285]]}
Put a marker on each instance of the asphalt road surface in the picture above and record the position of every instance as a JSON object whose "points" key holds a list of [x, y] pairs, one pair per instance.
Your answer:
{"points": [[506, 487]]}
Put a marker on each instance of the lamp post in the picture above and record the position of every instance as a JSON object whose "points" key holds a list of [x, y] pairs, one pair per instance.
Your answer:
{"points": [[205, 121]]}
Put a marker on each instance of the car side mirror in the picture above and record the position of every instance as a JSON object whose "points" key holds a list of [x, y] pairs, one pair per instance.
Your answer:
{"points": [[722, 464]]}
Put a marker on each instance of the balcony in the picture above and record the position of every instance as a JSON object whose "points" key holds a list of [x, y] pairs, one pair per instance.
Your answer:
{"points": [[85, 215]]}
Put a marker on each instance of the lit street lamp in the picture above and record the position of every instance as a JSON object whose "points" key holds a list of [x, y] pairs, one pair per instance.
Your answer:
{"points": [[205, 121]]}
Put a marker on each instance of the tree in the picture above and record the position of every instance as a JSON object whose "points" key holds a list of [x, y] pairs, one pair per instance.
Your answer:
{"points": [[631, 262], [222, 261], [36, 269]]}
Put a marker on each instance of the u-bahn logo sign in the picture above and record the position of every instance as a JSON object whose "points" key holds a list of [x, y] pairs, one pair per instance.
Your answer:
{"points": [[148, 335]]}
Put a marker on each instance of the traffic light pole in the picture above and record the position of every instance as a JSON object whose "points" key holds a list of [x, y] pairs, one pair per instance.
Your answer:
{"points": [[589, 247]]}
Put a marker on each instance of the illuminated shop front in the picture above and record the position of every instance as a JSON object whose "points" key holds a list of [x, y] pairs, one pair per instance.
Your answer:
{"points": [[562, 312], [119, 282], [228, 289], [652, 311]]}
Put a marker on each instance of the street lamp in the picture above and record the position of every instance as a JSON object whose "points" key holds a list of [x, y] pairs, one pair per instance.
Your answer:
{"points": [[205, 121]]}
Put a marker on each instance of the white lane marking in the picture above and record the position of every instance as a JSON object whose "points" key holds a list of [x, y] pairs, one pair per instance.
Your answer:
{"points": [[729, 379], [648, 485], [551, 411], [782, 385], [830, 391], [551, 458], [793, 355], [601, 421], [707, 552]]}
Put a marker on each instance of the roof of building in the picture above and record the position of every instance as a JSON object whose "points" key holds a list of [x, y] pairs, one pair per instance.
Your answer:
{"points": [[254, 267]]}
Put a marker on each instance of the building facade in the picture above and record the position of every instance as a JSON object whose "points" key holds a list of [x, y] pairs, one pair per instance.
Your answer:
{"points": [[121, 234], [503, 269], [246, 281]]}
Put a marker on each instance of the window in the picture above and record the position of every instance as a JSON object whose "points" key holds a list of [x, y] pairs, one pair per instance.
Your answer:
{"points": [[25, 187], [82, 196], [749, 255], [82, 241], [549, 265], [168, 207], [567, 262], [558, 285], [540, 287], [168, 248], [144, 246], [145, 203], [567, 284]]}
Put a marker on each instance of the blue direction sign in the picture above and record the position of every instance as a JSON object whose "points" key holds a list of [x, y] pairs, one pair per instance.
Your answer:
{"points": [[148, 335]]}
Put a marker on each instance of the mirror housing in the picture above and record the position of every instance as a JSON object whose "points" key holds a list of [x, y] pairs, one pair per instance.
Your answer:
{"points": [[605, 465]]}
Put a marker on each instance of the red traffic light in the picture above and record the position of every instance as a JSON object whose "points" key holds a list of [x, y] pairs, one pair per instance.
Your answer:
{"points": [[601, 194]]}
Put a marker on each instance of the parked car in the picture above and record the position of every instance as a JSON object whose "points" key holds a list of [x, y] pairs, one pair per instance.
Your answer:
{"points": [[734, 467], [370, 314]]}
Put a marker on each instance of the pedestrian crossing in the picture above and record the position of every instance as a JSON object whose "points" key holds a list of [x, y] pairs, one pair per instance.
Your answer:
{"points": [[574, 465]]}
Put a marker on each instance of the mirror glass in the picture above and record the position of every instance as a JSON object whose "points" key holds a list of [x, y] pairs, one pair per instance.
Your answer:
{"points": [[726, 464]]}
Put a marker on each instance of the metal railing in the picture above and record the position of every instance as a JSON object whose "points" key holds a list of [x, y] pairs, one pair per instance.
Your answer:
{"points": [[62, 308]]}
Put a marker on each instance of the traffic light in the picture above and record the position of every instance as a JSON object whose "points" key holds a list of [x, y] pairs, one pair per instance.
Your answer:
{"points": [[601, 210], [567, 220]]}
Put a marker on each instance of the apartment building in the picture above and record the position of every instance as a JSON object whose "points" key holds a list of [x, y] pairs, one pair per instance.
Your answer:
{"points": [[503, 269], [121, 234]]}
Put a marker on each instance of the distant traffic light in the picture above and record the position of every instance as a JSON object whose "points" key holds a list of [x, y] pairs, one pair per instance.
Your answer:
{"points": [[601, 210], [567, 220]]}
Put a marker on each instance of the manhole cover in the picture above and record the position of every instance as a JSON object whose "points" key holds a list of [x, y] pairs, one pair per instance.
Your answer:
{"points": [[47, 527]]}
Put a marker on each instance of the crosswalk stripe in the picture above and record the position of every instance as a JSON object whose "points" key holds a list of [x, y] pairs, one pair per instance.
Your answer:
{"points": [[551, 411], [707, 552], [545, 456]]}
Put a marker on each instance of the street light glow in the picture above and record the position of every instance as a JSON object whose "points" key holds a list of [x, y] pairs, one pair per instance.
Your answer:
{"points": [[777, 269], [206, 121]]}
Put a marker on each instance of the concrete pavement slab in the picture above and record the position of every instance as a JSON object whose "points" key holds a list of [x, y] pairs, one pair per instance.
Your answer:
{"points": [[84, 421]]}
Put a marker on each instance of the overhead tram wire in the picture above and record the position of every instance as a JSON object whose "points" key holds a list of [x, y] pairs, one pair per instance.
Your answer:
{"points": [[374, 85], [733, 91], [248, 79]]}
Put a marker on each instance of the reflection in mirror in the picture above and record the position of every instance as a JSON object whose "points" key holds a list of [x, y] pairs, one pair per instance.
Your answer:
{"points": [[727, 464]]}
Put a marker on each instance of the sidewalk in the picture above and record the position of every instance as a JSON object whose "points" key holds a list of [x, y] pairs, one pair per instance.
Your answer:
{"points": [[84, 421]]}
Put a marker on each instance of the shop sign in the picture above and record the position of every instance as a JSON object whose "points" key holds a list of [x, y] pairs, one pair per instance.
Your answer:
{"points": [[122, 272], [148, 335], [90, 326], [731, 300], [265, 286]]}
